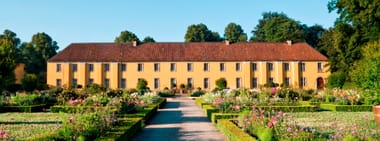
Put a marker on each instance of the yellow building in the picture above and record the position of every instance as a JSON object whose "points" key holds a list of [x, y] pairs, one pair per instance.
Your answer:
{"points": [[248, 65]]}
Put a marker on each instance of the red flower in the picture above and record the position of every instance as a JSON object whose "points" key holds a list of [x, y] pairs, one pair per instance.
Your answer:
{"points": [[270, 124]]}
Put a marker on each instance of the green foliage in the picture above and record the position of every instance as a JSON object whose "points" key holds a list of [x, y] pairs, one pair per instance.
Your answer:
{"points": [[142, 84], [264, 133], [148, 39], [233, 132], [200, 33], [218, 116], [365, 73], [234, 33], [126, 36], [36, 53], [8, 55], [197, 93], [221, 83], [95, 88], [25, 100], [336, 80], [278, 27], [27, 109], [30, 82], [346, 108], [166, 93]]}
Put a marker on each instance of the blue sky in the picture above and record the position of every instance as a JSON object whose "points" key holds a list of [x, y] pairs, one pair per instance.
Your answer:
{"points": [[69, 21]]}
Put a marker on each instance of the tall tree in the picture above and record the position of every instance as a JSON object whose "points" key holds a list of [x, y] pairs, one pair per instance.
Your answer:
{"points": [[148, 39], [313, 34], [364, 15], [8, 52], [126, 36], [36, 53], [234, 33], [200, 33], [278, 27]]}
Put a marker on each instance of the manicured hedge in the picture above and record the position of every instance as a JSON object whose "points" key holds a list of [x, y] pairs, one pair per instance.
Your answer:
{"points": [[217, 116], [346, 108], [124, 132], [233, 132], [304, 108], [27, 109], [208, 109]]}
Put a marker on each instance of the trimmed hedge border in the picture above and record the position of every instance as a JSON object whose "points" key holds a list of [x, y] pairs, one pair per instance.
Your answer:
{"points": [[200, 102], [304, 108], [26, 109], [218, 116], [346, 108], [209, 110], [232, 132], [74, 109]]}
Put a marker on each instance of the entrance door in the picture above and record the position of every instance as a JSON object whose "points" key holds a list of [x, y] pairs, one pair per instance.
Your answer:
{"points": [[320, 83]]}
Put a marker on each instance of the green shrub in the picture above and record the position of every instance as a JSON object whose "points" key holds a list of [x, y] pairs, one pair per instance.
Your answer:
{"points": [[197, 93], [221, 83], [166, 93], [233, 132], [208, 109], [25, 99], [346, 108], [217, 116], [303, 108], [30, 82], [264, 133], [336, 80]]}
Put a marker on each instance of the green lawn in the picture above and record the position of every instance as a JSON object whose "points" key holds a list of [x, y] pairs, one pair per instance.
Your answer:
{"points": [[329, 122], [23, 125]]}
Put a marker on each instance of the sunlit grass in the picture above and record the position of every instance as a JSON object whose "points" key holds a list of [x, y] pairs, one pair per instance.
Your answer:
{"points": [[23, 125]]}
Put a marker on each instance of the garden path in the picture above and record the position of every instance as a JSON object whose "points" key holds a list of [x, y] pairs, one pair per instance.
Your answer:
{"points": [[179, 120]]}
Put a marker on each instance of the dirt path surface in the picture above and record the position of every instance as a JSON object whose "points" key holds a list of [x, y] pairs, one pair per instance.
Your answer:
{"points": [[179, 120]]}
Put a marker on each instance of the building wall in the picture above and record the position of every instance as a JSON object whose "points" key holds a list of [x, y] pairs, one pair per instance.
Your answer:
{"points": [[19, 73], [181, 74]]}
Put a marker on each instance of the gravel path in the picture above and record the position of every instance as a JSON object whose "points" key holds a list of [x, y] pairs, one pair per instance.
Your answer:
{"points": [[179, 120]]}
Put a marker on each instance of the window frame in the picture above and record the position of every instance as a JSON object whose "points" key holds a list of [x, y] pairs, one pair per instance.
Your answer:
{"points": [[254, 67], [156, 82], [156, 67], [123, 67], [238, 82], [74, 67], [123, 83], [237, 66], [173, 67], [189, 67], [286, 67], [58, 68], [206, 83], [206, 67], [140, 67], [90, 67], [222, 67], [106, 67], [270, 67]]}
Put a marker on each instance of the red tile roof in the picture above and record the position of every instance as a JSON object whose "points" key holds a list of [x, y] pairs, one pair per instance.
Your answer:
{"points": [[195, 51]]}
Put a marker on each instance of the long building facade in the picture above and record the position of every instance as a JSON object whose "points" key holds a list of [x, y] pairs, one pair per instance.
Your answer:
{"points": [[243, 65]]}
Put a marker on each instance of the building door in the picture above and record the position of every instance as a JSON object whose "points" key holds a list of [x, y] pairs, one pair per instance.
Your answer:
{"points": [[320, 83]]}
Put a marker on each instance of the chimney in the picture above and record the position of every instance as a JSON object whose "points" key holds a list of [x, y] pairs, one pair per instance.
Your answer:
{"points": [[227, 42], [289, 42], [134, 43]]}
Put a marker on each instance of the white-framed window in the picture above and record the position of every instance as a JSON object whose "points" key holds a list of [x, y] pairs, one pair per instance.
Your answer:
{"points": [[270, 66], [156, 67], [58, 82], [172, 67], [74, 67], [206, 83], [190, 82], [254, 66], [237, 67], [320, 67], [286, 67], [189, 67], [123, 83], [206, 67], [254, 82], [173, 82], [58, 68], [107, 83], [123, 67], [222, 67], [302, 67], [140, 67], [90, 67], [238, 82], [106, 67], [156, 83], [303, 82]]}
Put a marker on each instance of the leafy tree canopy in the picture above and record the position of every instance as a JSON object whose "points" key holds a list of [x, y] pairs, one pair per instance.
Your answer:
{"points": [[278, 27], [200, 33], [8, 52], [234, 33], [148, 39], [126, 36]]}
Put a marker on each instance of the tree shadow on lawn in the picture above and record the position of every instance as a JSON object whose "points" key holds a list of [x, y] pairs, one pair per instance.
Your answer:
{"points": [[157, 134]]}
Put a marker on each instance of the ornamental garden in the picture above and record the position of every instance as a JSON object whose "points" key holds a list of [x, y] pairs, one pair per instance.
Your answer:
{"points": [[270, 112]]}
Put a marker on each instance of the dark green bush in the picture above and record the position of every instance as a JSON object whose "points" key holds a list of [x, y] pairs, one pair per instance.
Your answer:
{"points": [[166, 93], [336, 80], [217, 116], [221, 83], [232, 131], [197, 93]]}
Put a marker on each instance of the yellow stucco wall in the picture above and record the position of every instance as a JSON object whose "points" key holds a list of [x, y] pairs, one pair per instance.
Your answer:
{"points": [[181, 74], [19, 73]]}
